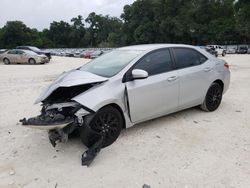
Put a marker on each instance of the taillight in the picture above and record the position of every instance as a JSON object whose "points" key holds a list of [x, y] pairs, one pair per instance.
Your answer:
{"points": [[226, 65]]}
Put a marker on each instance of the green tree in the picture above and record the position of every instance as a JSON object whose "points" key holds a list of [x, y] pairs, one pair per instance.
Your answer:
{"points": [[16, 33], [101, 26], [59, 34], [242, 8], [77, 32], [196, 22]]}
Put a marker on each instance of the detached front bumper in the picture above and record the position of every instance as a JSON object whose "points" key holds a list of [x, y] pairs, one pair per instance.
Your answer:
{"points": [[36, 123], [57, 116], [61, 120]]}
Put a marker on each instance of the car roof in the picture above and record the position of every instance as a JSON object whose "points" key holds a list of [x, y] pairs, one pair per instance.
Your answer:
{"points": [[147, 47], [26, 51], [24, 46]]}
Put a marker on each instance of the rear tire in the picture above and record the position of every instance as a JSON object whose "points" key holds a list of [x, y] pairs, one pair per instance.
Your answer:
{"points": [[213, 98], [107, 121], [32, 61], [6, 61]]}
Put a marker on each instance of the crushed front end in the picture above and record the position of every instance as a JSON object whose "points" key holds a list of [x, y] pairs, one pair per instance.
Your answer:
{"points": [[60, 119], [61, 115]]}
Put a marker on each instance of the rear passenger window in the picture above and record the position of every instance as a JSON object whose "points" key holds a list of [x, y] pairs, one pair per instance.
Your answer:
{"points": [[187, 57], [12, 52], [156, 62]]}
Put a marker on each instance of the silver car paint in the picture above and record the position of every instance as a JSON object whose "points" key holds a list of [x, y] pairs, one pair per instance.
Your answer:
{"points": [[71, 78], [23, 58], [172, 91], [162, 88]]}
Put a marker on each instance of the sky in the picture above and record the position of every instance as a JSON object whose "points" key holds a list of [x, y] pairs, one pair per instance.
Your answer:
{"points": [[40, 13]]}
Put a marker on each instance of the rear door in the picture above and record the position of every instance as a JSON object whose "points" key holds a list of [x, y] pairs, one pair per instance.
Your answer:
{"points": [[156, 95], [194, 75]]}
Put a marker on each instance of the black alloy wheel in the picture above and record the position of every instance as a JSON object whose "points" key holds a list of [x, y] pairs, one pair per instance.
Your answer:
{"points": [[107, 122], [213, 98]]}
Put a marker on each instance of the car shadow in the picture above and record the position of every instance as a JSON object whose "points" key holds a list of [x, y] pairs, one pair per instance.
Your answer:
{"points": [[163, 121]]}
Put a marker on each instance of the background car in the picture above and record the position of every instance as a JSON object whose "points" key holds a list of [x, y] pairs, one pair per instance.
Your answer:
{"points": [[242, 50], [96, 54], [212, 51], [220, 51], [231, 50], [35, 49], [2, 50], [87, 54], [23, 56]]}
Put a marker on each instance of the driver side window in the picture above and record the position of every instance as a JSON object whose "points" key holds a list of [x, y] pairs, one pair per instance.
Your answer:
{"points": [[156, 62], [20, 52]]}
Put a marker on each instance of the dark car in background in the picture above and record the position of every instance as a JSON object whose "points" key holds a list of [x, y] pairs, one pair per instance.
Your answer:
{"points": [[35, 49], [3, 50], [242, 50]]}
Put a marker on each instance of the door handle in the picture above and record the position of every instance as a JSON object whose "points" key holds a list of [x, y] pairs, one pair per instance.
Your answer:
{"points": [[207, 69], [172, 78]]}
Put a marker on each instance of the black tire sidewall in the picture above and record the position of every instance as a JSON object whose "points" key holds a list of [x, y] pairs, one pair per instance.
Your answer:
{"points": [[209, 108], [8, 61], [90, 139], [34, 61]]}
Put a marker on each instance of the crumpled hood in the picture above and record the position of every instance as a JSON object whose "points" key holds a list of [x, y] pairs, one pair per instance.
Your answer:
{"points": [[68, 79]]}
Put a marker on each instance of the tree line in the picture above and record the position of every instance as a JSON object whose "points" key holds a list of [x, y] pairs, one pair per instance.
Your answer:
{"points": [[196, 22]]}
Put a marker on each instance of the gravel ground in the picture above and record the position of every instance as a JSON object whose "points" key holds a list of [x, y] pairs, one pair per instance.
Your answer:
{"points": [[187, 149]]}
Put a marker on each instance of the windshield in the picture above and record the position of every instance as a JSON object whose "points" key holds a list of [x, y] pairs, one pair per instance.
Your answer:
{"points": [[34, 48], [111, 63], [30, 52]]}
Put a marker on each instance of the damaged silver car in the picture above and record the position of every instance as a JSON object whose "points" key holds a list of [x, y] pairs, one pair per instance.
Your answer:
{"points": [[127, 86]]}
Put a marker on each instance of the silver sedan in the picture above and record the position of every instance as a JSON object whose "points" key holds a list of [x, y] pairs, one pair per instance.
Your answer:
{"points": [[23, 56], [127, 86]]}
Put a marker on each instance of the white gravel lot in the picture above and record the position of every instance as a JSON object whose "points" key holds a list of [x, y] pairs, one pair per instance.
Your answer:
{"points": [[187, 149]]}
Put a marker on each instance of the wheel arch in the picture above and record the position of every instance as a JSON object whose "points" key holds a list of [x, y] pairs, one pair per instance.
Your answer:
{"points": [[6, 58], [32, 58], [220, 82]]}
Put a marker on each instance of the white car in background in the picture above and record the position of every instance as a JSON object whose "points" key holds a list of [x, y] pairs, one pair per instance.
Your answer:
{"points": [[220, 51], [231, 50], [23, 56]]}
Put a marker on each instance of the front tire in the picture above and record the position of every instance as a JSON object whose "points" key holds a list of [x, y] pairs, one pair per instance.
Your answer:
{"points": [[107, 121], [213, 98], [6, 61], [32, 61]]}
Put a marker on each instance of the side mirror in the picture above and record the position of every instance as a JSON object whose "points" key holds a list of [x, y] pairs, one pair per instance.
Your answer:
{"points": [[139, 74]]}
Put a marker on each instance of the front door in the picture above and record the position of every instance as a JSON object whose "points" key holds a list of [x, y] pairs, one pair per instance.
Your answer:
{"points": [[156, 95]]}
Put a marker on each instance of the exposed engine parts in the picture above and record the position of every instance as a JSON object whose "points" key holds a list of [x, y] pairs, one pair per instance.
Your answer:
{"points": [[61, 120]]}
